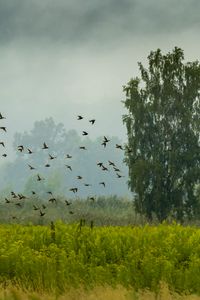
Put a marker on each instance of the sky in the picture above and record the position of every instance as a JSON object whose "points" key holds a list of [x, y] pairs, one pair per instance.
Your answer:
{"points": [[68, 57]]}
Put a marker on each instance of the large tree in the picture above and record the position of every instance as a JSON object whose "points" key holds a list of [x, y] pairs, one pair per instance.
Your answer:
{"points": [[163, 127]]}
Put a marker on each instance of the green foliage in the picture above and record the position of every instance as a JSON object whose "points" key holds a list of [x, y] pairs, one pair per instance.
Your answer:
{"points": [[53, 259], [164, 134]]}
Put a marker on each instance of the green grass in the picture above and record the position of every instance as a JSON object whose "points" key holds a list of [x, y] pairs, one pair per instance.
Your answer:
{"points": [[40, 259]]}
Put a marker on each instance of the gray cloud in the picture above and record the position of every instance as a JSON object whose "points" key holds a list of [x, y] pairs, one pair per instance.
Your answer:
{"points": [[80, 21]]}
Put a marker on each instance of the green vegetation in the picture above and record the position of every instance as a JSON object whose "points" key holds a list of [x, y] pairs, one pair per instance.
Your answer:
{"points": [[52, 259], [163, 153]]}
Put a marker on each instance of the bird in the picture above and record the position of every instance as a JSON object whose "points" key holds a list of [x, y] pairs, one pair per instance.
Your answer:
{"points": [[116, 169], [87, 184], [45, 146], [82, 147], [33, 192], [79, 117], [13, 194], [29, 151], [1, 117], [50, 193], [35, 207], [100, 164], [79, 177], [69, 167], [102, 183], [68, 156], [47, 165], [71, 212], [119, 176], [104, 168], [51, 157], [103, 144], [31, 167], [129, 150], [74, 190], [68, 203], [119, 146], [42, 213], [39, 178], [4, 155], [92, 121], [18, 204], [85, 133], [20, 148], [3, 128], [21, 197], [52, 200], [111, 163], [2, 143], [92, 198], [6, 200], [106, 140]]}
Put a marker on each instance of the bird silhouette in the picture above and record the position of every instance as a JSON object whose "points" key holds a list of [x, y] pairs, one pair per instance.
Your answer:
{"points": [[71, 212], [45, 146], [3, 128], [7, 201], [29, 151], [68, 203], [4, 155], [87, 184], [39, 178], [79, 177], [51, 157], [92, 198], [100, 164], [82, 148], [52, 200], [92, 121], [2, 143], [68, 156], [13, 194], [111, 163], [102, 183], [33, 192], [47, 165], [1, 117], [79, 117], [50, 193], [20, 148], [18, 204], [119, 146], [85, 133], [42, 213], [103, 144], [31, 167], [74, 190], [21, 197], [35, 207], [104, 168], [116, 169], [69, 167]]}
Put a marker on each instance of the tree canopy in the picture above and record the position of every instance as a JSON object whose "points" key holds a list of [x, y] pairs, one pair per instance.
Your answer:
{"points": [[163, 127]]}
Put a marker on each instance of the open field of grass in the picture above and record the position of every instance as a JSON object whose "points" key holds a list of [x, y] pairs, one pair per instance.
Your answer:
{"points": [[98, 293], [58, 258]]}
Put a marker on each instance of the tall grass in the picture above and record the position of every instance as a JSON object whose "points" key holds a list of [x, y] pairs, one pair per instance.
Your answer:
{"points": [[41, 258]]}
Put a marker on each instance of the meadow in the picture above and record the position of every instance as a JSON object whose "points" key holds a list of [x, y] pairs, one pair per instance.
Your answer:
{"points": [[56, 258]]}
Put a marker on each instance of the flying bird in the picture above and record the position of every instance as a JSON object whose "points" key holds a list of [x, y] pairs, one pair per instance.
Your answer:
{"points": [[31, 167], [50, 193], [92, 121], [35, 207], [87, 184], [104, 168], [52, 200], [45, 146], [6, 200], [116, 169], [82, 147], [100, 164], [79, 177], [20, 148], [4, 155], [85, 133], [2, 143], [42, 213], [119, 146], [3, 128], [69, 167], [79, 117], [68, 156], [33, 193], [39, 178], [51, 157], [29, 151], [111, 163], [68, 203], [1, 117], [47, 165], [74, 190], [102, 183], [119, 176]]}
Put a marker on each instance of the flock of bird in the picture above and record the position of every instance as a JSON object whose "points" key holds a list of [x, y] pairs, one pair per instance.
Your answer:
{"points": [[52, 199]]}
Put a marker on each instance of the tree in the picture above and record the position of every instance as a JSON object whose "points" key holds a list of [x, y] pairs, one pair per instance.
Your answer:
{"points": [[163, 127]]}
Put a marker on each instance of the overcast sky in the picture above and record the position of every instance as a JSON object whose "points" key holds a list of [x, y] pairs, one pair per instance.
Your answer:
{"points": [[67, 57]]}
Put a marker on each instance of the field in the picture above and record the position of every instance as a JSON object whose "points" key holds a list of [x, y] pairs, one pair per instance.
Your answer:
{"points": [[57, 258]]}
